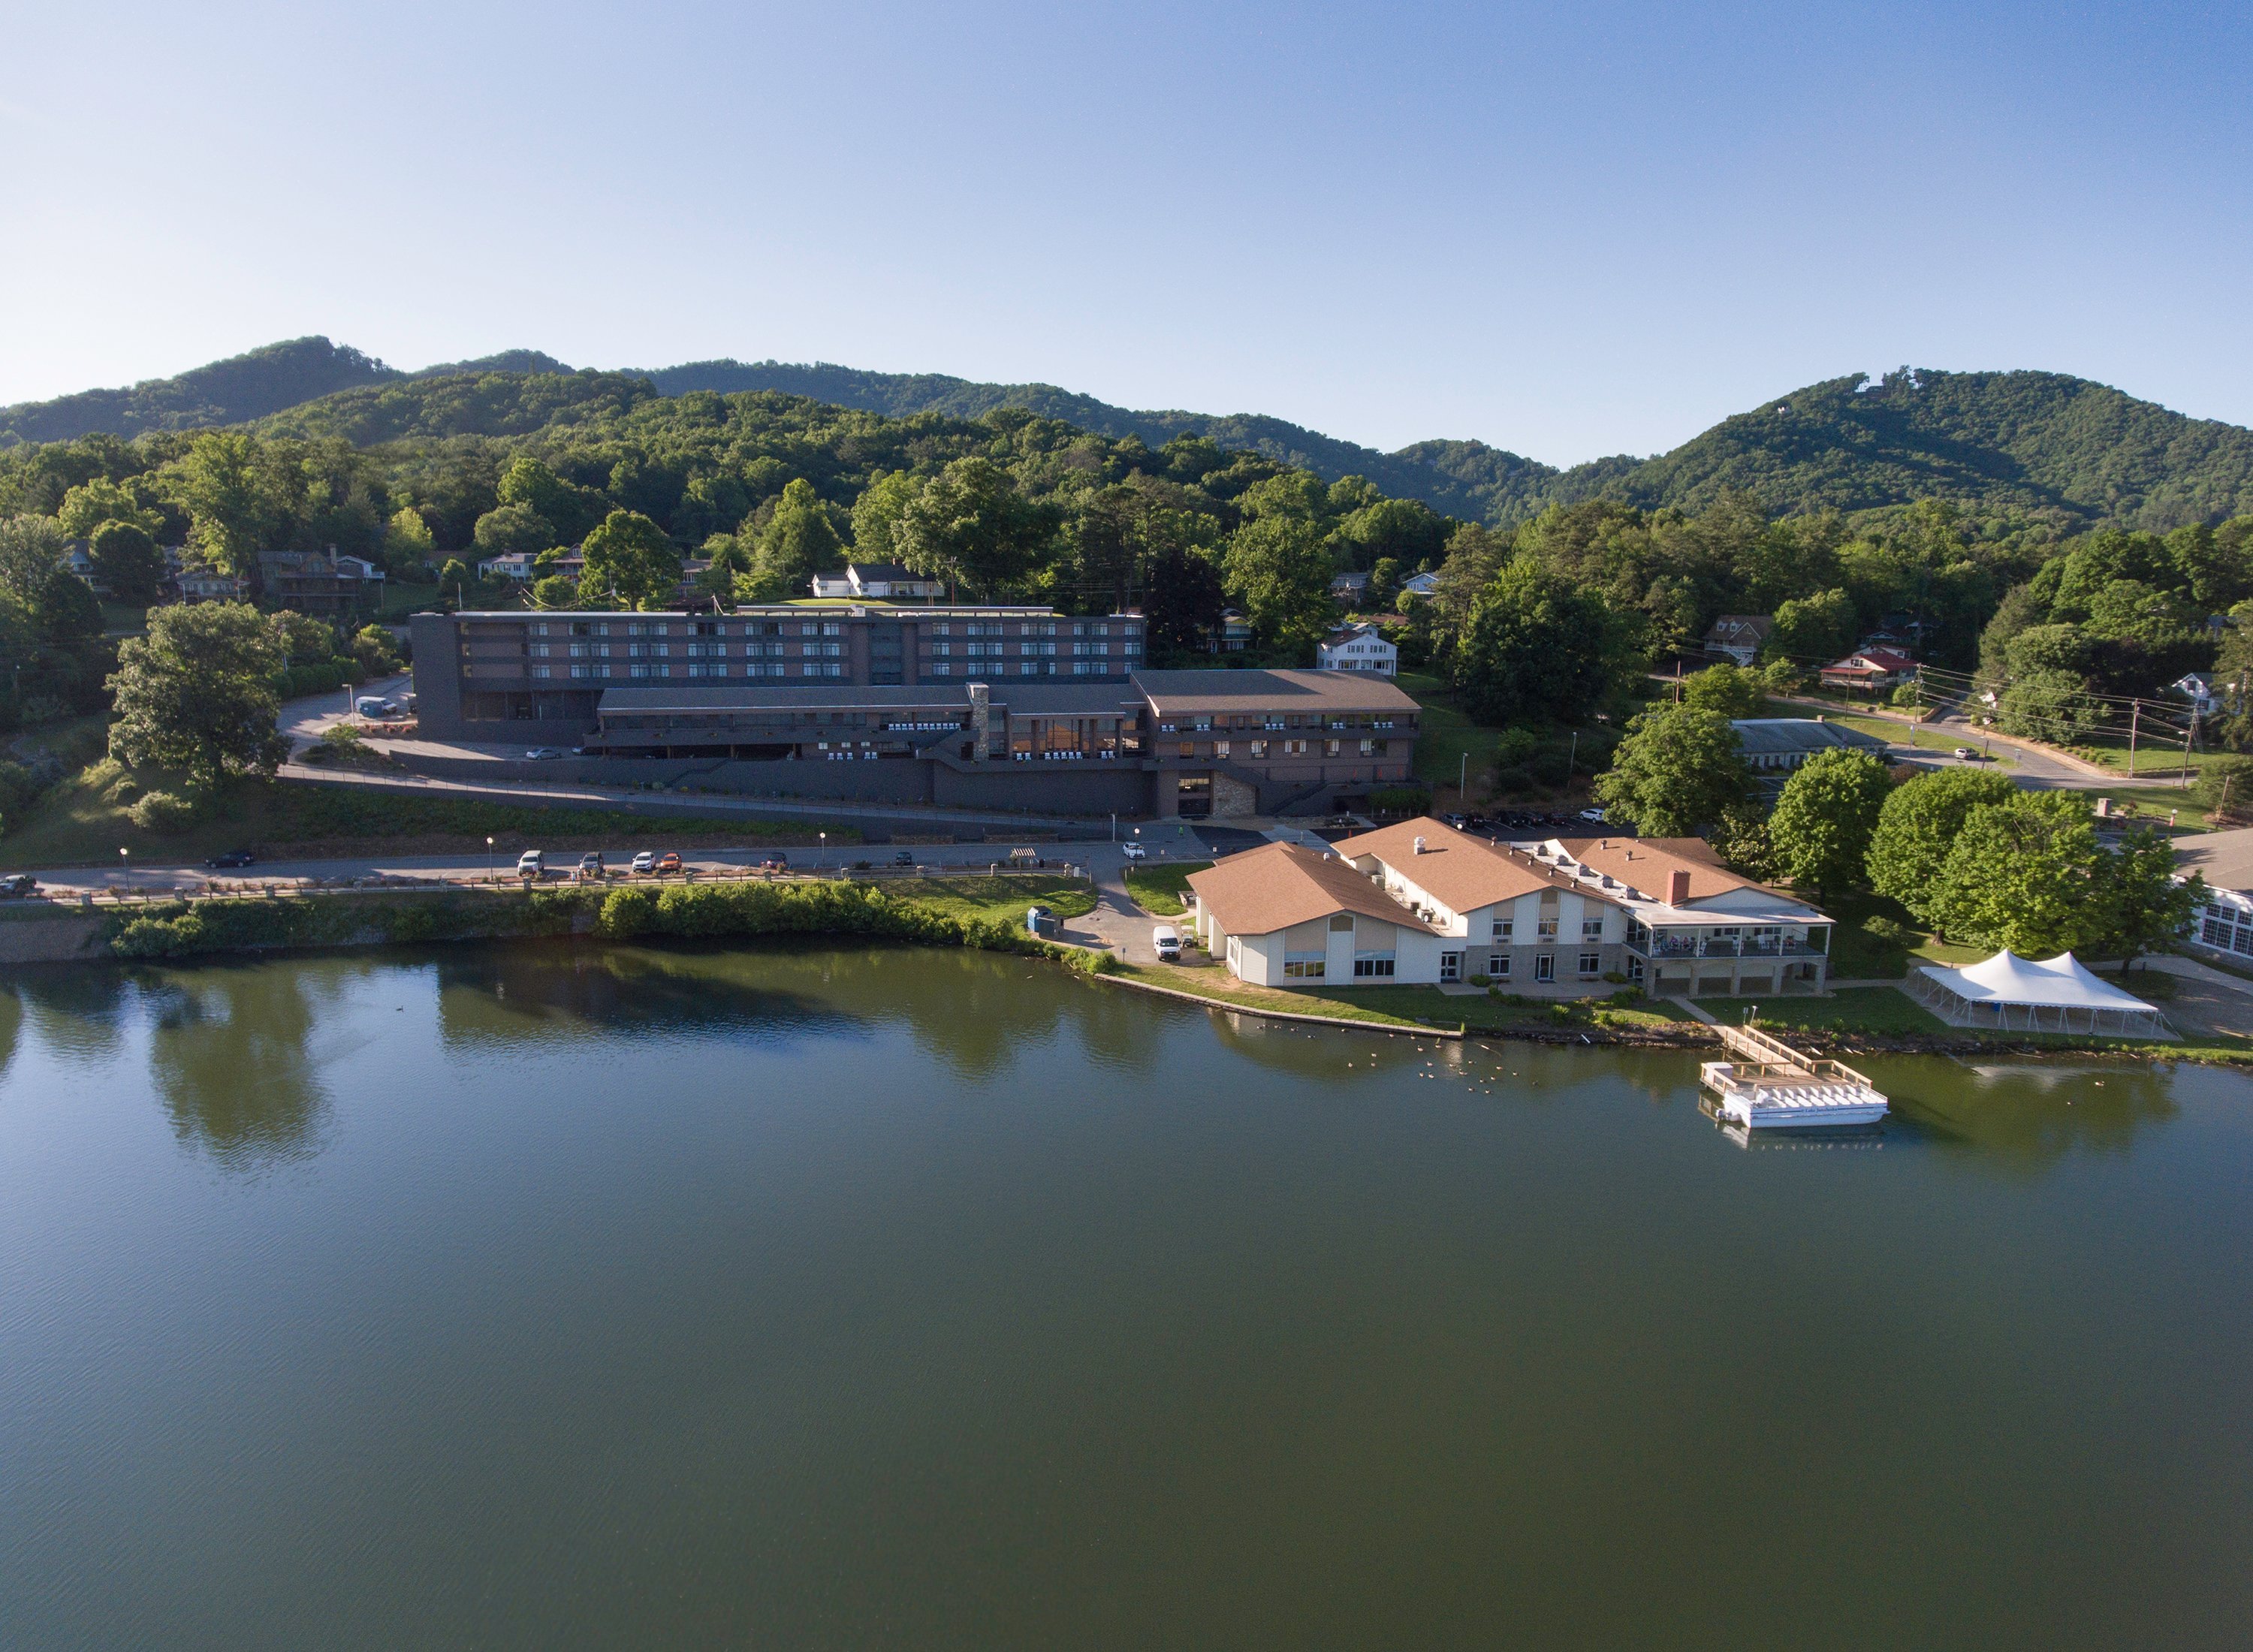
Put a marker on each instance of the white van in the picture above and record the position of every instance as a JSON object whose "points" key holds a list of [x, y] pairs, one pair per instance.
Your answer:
{"points": [[1167, 940], [531, 864]]}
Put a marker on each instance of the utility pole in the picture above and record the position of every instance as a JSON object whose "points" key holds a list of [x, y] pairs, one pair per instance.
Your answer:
{"points": [[2187, 735], [2135, 707], [1463, 776]]}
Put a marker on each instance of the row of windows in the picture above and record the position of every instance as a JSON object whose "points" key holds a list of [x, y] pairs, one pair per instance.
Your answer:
{"points": [[602, 668], [1545, 965], [1273, 720], [2220, 932], [1263, 748]]}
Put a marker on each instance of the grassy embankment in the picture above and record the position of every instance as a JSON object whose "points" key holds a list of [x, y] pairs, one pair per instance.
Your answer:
{"points": [[1407, 1006], [956, 914], [1448, 736], [1158, 889], [85, 818], [986, 900]]}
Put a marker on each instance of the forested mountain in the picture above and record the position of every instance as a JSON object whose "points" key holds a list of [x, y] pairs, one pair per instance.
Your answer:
{"points": [[235, 391], [2027, 445]]}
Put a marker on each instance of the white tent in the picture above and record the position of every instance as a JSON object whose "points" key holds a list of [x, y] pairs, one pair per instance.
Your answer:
{"points": [[2050, 994]]}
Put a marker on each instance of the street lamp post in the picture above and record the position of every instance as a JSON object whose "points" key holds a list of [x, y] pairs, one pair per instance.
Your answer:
{"points": [[489, 858], [822, 854]]}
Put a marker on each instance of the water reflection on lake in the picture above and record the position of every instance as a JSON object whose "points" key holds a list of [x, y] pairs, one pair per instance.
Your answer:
{"points": [[563, 1295]]}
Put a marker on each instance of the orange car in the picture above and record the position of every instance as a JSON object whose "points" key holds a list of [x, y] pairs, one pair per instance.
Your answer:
{"points": [[667, 863]]}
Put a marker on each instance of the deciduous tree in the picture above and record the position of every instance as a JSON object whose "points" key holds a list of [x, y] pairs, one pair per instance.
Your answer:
{"points": [[629, 557], [1679, 769], [1917, 826], [2022, 873], [196, 693], [126, 559], [1821, 825]]}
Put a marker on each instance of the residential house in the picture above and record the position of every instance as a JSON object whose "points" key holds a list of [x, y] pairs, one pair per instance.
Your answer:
{"points": [[80, 562], [1357, 648], [1559, 914], [1421, 584], [880, 581], [1738, 637], [197, 583], [2198, 688], [1870, 668], [319, 582], [516, 564], [1234, 634], [1351, 589]]}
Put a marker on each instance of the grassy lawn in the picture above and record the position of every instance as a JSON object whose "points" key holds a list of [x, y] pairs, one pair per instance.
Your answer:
{"points": [[1005, 898], [1445, 735], [1858, 1009], [1157, 889], [83, 821], [1403, 1006], [1877, 940]]}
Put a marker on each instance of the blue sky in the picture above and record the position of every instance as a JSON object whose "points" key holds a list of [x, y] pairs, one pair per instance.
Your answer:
{"points": [[1568, 231]]}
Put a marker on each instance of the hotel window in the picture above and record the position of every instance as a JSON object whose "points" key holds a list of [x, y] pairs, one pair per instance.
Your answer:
{"points": [[940, 668], [543, 671], [539, 628], [1368, 748], [830, 628], [1085, 667], [1501, 927], [1544, 928], [640, 670], [1367, 965], [1220, 748], [941, 650], [1591, 963], [1258, 748], [698, 668], [1189, 748], [1545, 966], [708, 628], [1330, 748], [578, 651], [1592, 929], [539, 650], [708, 650], [1308, 968]]}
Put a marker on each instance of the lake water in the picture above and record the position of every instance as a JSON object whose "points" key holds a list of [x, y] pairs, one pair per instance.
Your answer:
{"points": [[576, 1297]]}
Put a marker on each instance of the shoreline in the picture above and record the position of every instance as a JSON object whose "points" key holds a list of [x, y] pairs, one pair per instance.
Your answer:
{"points": [[163, 931]]}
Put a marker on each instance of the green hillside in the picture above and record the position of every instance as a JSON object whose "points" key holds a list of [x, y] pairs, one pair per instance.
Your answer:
{"points": [[242, 388], [2027, 443]]}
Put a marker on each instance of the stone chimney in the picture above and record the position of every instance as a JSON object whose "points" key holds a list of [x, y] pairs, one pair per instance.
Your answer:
{"points": [[982, 720], [1677, 889]]}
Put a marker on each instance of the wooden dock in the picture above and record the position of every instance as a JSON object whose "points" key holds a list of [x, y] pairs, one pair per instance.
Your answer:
{"points": [[1768, 1085]]}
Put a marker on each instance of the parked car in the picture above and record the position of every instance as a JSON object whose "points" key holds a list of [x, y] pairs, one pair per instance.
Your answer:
{"points": [[590, 864], [21, 887], [531, 864], [905, 857], [1167, 941], [646, 862], [1594, 817], [370, 706], [542, 754], [775, 861], [667, 864], [232, 859], [1964, 754], [1134, 851]]}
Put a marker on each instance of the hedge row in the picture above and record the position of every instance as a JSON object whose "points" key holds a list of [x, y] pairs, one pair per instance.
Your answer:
{"points": [[182, 929]]}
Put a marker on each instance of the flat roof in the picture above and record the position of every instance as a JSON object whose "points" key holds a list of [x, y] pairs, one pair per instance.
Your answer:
{"points": [[831, 605], [1172, 692]]}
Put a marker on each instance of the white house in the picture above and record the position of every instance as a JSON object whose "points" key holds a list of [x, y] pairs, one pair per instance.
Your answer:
{"points": [[880, 581], [1421, 584], [1351, 588], [516, 564], [1357, 648], [2197, 688], [1423, 903]]}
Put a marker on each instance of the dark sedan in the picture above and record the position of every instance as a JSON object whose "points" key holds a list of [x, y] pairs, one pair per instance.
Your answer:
{"points": [[232, 859]]}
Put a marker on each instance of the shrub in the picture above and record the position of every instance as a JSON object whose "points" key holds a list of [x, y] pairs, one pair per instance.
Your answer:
{"points": [[1401, 801], [164, 813]]}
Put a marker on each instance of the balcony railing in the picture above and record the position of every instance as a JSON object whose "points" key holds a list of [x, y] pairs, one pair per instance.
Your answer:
{"points": [[1672, 947]]}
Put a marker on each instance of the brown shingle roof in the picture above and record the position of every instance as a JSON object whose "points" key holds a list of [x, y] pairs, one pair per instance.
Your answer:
{"points": [[1462, 871], [1645, 862], [1265, 889]]}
